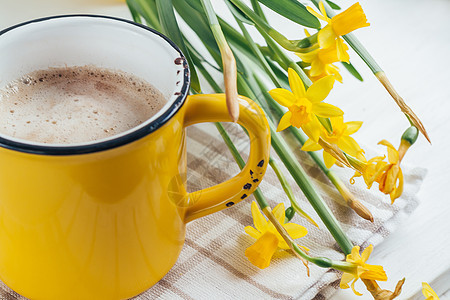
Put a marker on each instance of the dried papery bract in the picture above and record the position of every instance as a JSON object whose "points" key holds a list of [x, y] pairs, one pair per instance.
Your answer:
{"points": [[401, 104]]}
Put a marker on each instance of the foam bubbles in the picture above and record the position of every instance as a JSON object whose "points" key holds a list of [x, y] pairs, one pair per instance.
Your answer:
{"points": [[76, 105]]}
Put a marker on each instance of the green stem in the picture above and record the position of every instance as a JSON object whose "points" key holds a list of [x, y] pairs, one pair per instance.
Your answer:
{"points": [[214, 24], [287, 189]]}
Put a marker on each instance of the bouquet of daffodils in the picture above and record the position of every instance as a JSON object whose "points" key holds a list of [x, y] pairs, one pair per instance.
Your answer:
{"points": [[296, 101]]}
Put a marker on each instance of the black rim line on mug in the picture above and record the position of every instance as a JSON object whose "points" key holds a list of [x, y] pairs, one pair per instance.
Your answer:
{"points": [[120, 140]]}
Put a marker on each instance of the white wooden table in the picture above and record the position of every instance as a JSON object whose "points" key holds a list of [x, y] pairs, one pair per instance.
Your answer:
{"points": [[411, 40]]}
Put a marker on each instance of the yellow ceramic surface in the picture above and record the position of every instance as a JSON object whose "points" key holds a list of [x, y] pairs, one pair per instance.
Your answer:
{"points": [[110, 224]]}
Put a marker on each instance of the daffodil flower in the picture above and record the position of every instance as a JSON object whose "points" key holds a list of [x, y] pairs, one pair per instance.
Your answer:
{"points": [[428, 292], [341, 24], [305, 105], [340, 137], [370, 170], [391, 179], [361, 269], [321, 61], [268, 240], [388, 175]]}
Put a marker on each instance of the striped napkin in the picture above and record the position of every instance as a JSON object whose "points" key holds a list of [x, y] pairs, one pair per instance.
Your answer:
{"points": [[212, 263]]}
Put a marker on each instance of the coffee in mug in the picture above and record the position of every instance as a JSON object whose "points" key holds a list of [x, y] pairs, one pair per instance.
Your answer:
{"points": [[76, 104]]}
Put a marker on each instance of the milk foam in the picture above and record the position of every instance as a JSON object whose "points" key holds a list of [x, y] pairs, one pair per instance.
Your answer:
{"points": [[75, 105]]}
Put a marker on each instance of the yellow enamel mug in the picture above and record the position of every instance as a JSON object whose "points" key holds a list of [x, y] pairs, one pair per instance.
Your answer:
{"points": [[106, 219]]}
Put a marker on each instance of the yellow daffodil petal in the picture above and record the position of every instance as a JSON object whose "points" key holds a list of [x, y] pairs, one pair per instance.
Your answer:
{"points": [[283, 245], [354, 290], [328, 159], [361, 269], [312, 129], [296, 84], [397, 192], [428, 292], [309, 56], [350, 19], [349, 145], [333, 70], [326, 110], [352, 127], [366, 253], [393, 156], [322, 10], [316, 14], [354, 255], [320, 89], [326, 37], [317, 68], [310, 145], [391, 178], [258, 219], [373, 272], [252, 232], [342, 50], [345, 280], [380, 167], [386, 143], [282, 96], [285, 121], [279, 213], [295, 230], [261, 252], [328, 55]]}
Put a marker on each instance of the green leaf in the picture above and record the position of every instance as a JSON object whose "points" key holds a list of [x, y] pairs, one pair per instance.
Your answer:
{"points": [[171, 29], [257, 8], [238, 13], [294, 11], [333, 5], [281, 74], [195, 4], [134, 13], [198, 23], [133, 7], [352, 71], [147, 9]]}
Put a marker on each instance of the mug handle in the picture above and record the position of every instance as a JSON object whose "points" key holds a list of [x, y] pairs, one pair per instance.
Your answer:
{"points": [[213, 108]]}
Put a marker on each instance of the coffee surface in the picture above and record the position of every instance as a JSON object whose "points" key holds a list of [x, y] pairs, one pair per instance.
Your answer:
{"points": [[75, 105]]}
